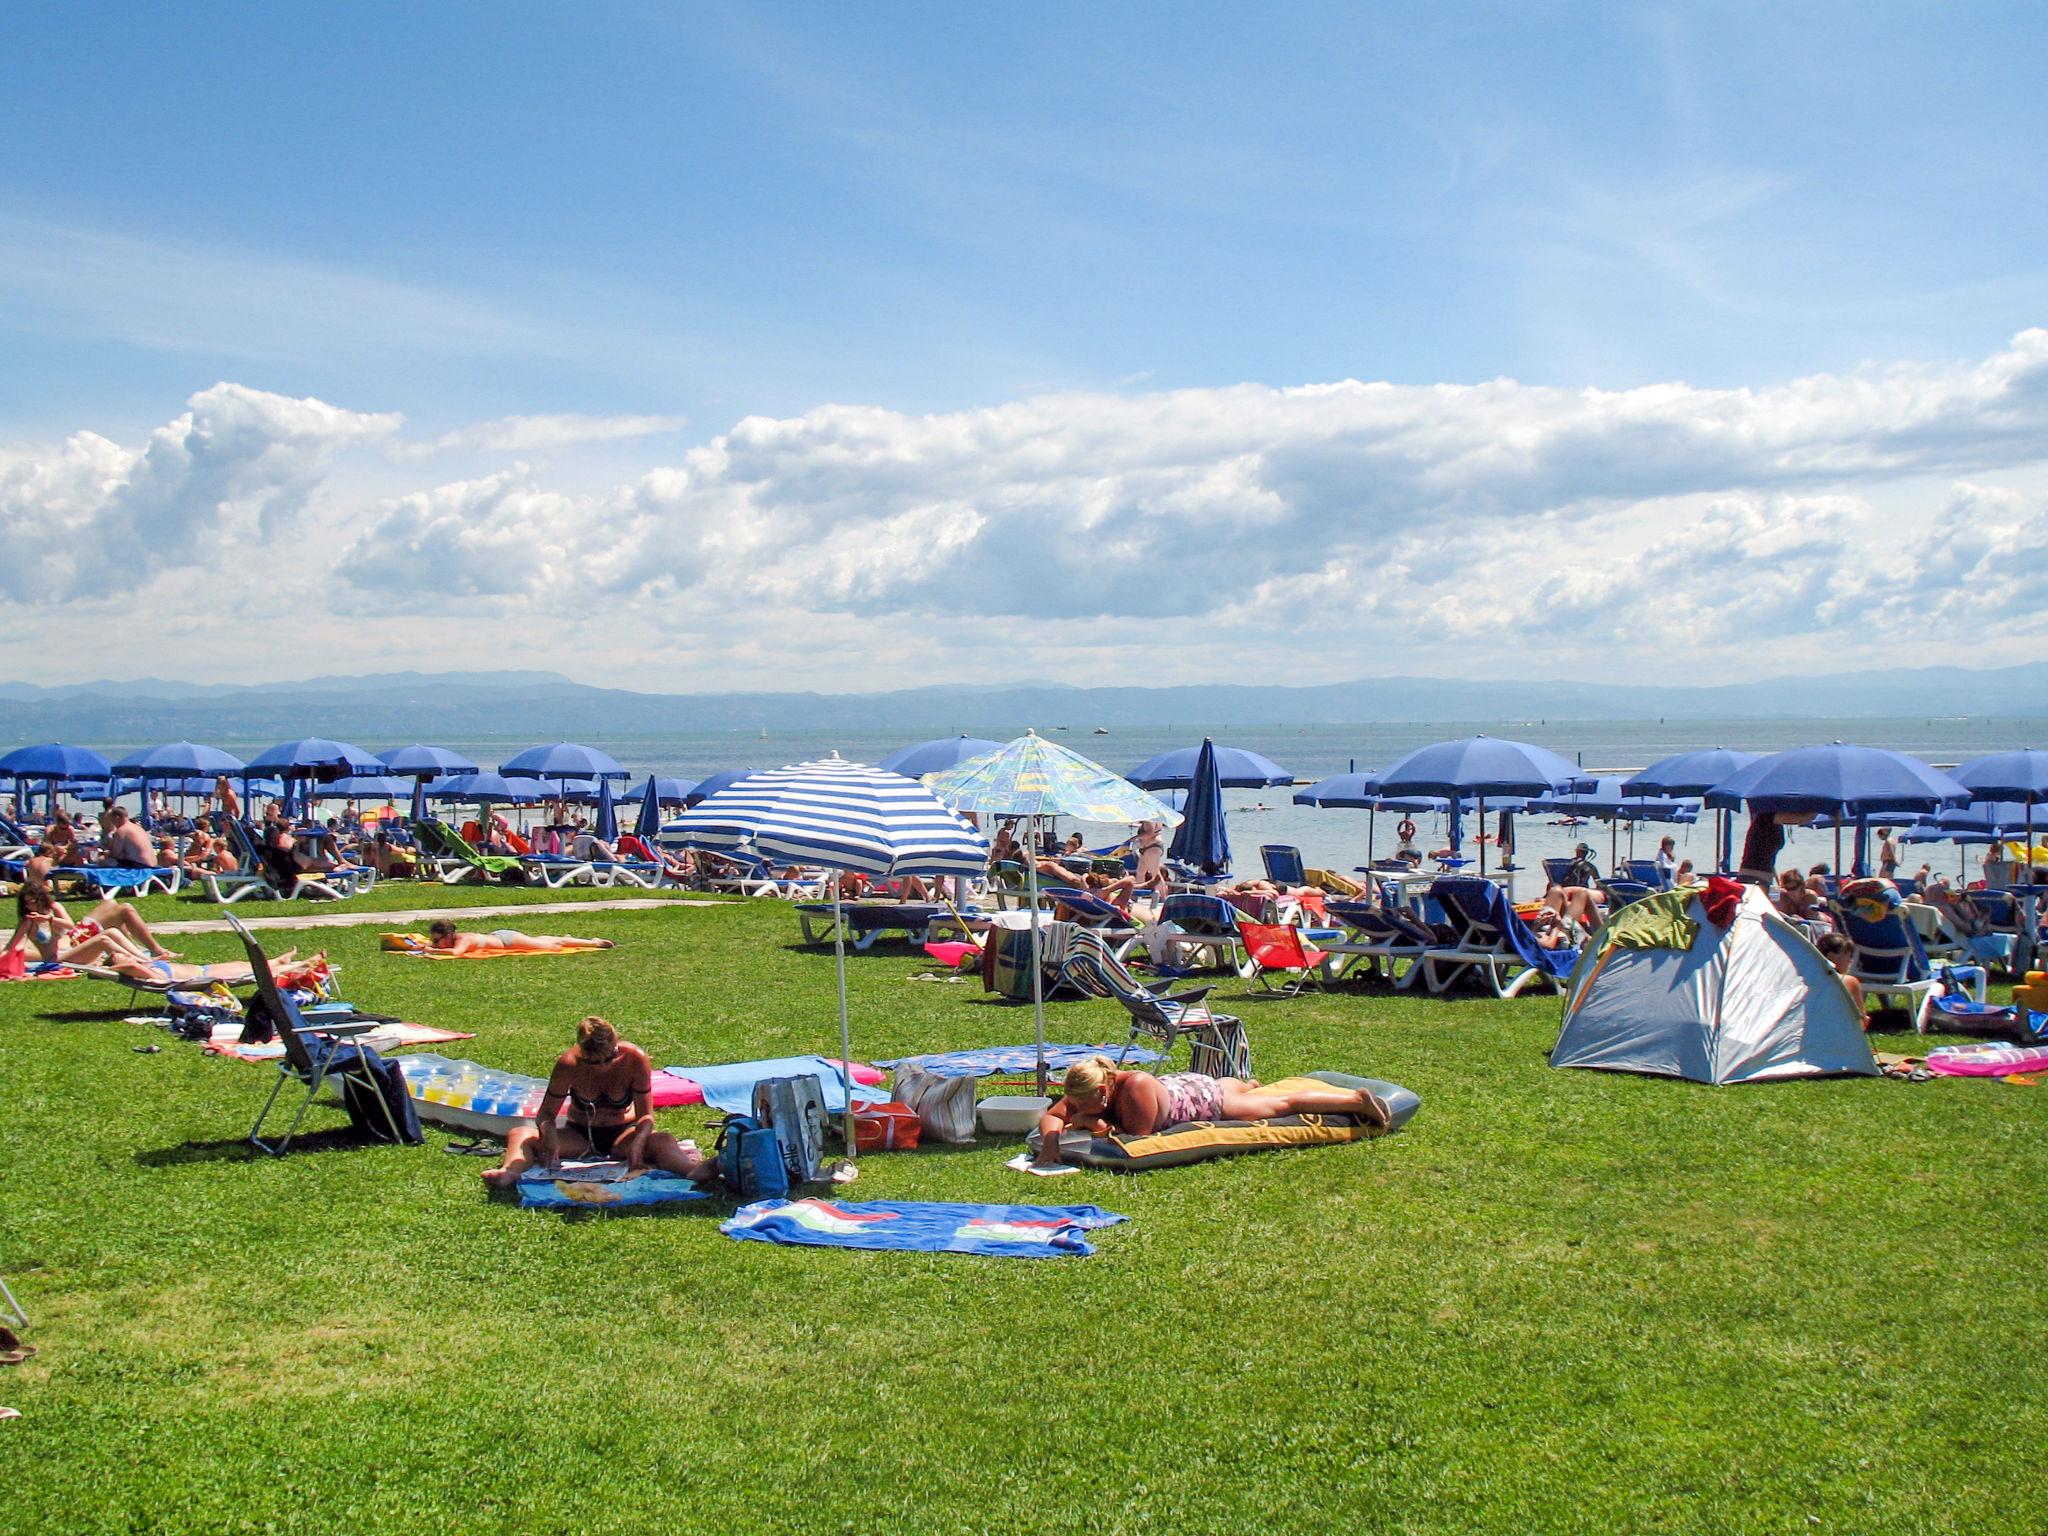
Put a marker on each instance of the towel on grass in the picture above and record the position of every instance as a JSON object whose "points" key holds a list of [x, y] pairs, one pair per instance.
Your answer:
{"points": [[920, 1226], [603, 1186], [1017, 1059], [227, 1040], [729, 1086], [416, 945]]}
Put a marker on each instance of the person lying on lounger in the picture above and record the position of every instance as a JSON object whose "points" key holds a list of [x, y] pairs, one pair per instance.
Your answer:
{"points": [[1100, 1097], [606, 1083], [442, 935]]}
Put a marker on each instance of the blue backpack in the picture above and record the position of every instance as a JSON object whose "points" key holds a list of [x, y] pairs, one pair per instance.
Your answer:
{"points": [[750, 1160]]}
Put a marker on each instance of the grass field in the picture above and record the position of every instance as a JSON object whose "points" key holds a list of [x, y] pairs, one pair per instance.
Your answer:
{"points": [[1565, 1301]]}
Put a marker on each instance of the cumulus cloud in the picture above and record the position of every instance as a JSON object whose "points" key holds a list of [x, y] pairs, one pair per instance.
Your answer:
{"points": [[1562, 530], [541, 434], [233, 471]]}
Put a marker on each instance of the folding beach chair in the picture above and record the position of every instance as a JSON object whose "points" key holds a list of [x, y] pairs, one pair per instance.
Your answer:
{"points": [[453, 861], [1277, 951], [312, 1057], [1217, 1043]]}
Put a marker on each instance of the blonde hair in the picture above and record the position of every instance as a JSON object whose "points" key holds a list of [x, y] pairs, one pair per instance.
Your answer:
{"points": [[596, 1037], [1086, 1077]]}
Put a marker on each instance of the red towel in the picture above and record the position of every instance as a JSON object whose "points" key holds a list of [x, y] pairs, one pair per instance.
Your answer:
{"points": [[1720, 900]]}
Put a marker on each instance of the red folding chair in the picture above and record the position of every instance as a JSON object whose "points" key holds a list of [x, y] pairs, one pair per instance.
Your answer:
{"points": [[1276, 951]]}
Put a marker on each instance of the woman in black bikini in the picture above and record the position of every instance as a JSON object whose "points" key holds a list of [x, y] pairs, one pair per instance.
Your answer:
{"points": [[606, 1082]]}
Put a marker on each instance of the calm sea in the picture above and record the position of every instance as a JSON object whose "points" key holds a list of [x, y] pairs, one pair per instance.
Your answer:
{"points": [[1338, 838]]}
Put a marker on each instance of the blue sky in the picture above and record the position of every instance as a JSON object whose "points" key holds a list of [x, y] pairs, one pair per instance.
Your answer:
{"points": [[659, 221]]}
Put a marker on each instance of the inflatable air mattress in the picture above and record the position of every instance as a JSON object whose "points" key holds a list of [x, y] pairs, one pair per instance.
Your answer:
{"points": [[1197, 1141]]}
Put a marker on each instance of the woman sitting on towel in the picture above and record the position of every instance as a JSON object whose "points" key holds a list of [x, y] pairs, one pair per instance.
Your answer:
{"points": [[441, 935], [606, 1082], [1101, 1097]]}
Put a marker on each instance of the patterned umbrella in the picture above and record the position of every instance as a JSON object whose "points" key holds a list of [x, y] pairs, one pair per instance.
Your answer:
{"points": [[846, 816], [1035, 777]]}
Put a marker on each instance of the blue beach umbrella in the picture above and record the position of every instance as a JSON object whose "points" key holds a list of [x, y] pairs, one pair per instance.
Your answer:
{"points": [[712, 783], [936, 756], [489, 789], [1236, 768], [368, 786], [1203, 839], [55, 760], [313, 757], [647, 825], [2009, 776], [1481, 768], [607, 828], [1694, 773], [563, 760], [422, 761], [845, 816], [1841, 780]]}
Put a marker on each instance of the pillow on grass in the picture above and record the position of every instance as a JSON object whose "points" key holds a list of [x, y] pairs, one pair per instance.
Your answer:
{"points": [[944, 1105]]}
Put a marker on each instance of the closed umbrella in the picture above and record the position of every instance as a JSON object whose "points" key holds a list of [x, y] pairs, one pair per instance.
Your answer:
{"points": [[1032, 777], [1202, 839], [607, 828], [647, 826], [844, 816]]}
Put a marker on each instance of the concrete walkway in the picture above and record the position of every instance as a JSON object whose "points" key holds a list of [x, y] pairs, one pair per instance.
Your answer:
{"points": [[406, 918]]}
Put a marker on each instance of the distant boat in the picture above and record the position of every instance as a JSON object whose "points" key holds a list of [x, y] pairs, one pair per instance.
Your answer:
{"points": [[1059, 727], [764, 733], [1102, 730]]}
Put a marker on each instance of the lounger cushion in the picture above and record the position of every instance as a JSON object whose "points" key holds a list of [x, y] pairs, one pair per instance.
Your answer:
{"points": [[1197, 1141]]}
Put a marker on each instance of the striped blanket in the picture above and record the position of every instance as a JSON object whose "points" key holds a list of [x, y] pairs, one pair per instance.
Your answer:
{"points": [[918, 1226]]}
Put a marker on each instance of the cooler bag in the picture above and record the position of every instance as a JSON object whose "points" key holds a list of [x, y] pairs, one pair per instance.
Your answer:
{"points": [[887, 1127]]}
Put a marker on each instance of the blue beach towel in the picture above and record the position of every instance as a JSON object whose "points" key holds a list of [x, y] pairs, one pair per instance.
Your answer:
{"points": [[729, 1087], [563, 1190], [918, 1226], [1017, 1058]]}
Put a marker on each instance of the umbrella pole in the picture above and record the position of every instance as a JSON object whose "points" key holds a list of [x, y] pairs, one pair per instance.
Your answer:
{"points": [[845, 1033], [1037, 968], [1838, 851], [1482, 837], [1371, 815]]}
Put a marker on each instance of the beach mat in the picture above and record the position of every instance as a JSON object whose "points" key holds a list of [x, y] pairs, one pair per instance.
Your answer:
{"points": [[919, 1226]]}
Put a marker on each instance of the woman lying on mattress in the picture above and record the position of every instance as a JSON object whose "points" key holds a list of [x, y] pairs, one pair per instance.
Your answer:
{"points": [[1099, 1096], [441, 935], [606, 1082]]}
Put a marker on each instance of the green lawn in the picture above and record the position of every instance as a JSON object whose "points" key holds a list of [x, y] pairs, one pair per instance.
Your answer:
{"points": [[191, 904], [1558, 1301]]}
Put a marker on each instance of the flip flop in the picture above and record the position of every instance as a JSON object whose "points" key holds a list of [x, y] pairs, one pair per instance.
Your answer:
{"points": [[14, 1356], [10, 1413]]}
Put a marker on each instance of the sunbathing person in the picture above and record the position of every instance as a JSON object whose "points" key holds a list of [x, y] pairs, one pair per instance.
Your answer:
{"points": [[207, 855], [1552, 930], [1577, 903], [1839, 952], [1098, 1096], [1800, 901], [43, 921], [1150, 846], [606, 1082], [442, 935], [127, 846]]}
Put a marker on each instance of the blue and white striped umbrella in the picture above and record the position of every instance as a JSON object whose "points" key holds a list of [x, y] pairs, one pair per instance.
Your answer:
{"points": [[846, 816], [838, 814]]}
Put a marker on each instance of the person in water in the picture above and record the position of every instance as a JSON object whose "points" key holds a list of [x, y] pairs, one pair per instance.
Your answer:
{"points": [[606, 1083], [442, 935], [1099, 1096]]}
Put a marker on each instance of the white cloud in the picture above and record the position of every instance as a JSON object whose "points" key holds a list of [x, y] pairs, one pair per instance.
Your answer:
{"points": [[1668, 529], [541, 434]]}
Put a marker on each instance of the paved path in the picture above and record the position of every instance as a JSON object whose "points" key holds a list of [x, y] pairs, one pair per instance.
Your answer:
{"points": [[402, 919]]}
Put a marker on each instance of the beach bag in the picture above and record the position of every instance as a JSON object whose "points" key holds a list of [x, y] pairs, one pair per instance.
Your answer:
{"points": [[749, 1161], [944, 1105], [794, 1109], [890, 1127]]}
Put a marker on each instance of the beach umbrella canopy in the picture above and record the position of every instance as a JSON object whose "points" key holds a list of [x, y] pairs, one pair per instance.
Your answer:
{"points": [[489, 789], [845, 816], [367, 786], [1035, 777], [179, 758], [1688, 773], [674, 793], [936, 756], [1358, 790], [313, 757], [1203, 839], [574, 791], [1484, 768], [564, 760], [421, 761], [607, 828], [1839, 779], [712, 783], [1236, 768], [55, 760], [2020, 777]]}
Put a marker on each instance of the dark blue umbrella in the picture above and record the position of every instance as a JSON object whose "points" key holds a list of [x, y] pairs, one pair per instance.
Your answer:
{"points": [[1202, 838], [711, 784], [1839, 779], [179, 758], [425, 762], [314, 757], [1484, 768], [419, 797], [564, 760], [55, 760], [925, 757], [1236, 768], [1358, 790], [1694, 773], [607, 828], [368, 786], [647, 825], [2009, 776], [489, 789], [667, 791]]}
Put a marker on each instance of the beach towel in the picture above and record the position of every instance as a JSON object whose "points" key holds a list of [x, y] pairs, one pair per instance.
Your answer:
{"points": [[37, 970], [1016, 1059], [918, 1226], [603, 1186], [671, 1088], [227, 1040], [729, 1086], [416, 945]]}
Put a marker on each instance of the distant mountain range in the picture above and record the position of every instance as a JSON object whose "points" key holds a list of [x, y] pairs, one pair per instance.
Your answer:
{"points": [[473, 705]]}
